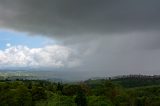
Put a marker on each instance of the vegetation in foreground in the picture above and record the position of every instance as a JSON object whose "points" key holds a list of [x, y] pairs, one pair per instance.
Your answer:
{"points": [[124, 91]]}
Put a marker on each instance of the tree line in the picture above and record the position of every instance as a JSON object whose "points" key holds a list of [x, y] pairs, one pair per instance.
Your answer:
{"points": [[97, 92]]}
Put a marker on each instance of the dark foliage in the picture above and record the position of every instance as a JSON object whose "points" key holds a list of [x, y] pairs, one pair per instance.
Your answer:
{"points": [[121, 91]]}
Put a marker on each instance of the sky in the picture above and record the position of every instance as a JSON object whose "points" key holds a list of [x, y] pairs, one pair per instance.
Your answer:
{"points": [[96, 38], [9, 38]]}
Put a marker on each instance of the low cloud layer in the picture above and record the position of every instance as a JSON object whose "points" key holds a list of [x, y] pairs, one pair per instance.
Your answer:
{"points": [[49, 56]]}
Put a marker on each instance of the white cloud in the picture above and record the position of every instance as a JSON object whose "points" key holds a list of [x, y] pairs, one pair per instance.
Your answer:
{"points": [[53, 56], [8, 44]]}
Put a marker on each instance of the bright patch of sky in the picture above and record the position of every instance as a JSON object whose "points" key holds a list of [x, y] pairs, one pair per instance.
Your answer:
{"points": [[11, 38]]}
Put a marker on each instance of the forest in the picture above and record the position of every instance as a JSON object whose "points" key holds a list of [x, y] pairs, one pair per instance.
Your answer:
{"points": [[132, 90]]}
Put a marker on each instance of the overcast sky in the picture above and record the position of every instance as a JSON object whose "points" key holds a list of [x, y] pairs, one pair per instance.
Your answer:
{"points": [[101, 37]]}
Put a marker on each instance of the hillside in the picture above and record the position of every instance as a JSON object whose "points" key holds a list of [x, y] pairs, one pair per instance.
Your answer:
{"points": [[122, 91]]}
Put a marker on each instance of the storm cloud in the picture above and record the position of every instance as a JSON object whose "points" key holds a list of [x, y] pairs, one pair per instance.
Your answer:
{"points": [[79, 17], [113, 37]]}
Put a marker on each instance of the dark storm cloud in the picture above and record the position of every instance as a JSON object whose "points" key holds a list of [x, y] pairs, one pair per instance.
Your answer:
{"points": [[79, 17]]}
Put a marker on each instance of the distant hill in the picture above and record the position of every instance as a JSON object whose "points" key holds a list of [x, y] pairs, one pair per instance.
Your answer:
{"points": [[128, 81]]}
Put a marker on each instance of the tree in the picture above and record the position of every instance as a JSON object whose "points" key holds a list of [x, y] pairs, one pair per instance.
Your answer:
{"points": [[59, 87], [38, 93], [23, 96], [80, 99], [70, 90]]}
